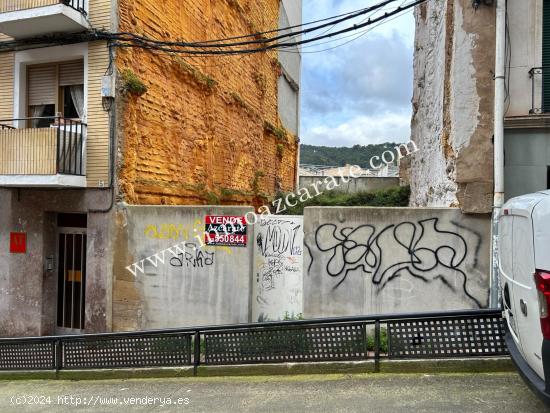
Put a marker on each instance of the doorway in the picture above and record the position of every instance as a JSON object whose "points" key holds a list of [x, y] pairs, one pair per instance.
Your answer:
{"points": [[71, 273]]}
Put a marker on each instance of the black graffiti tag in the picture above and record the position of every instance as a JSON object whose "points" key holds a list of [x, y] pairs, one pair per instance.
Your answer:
{"points": [[269, 272], [196, 258], [278, 241], [431, 253]]}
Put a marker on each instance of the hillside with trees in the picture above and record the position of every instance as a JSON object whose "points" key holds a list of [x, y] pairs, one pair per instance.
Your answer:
{"points": [[340, 156]]}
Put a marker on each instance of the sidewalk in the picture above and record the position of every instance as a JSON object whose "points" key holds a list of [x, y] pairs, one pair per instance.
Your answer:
{"points": [[497, 392]]}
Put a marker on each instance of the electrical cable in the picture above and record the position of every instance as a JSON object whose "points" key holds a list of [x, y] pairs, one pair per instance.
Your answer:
{"points": [[210, 44], [133, 40], [157, 45], [355, 37]]}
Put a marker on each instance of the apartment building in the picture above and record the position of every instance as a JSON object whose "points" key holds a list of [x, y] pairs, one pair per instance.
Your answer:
{"points": [[453, 102], [86, 126]]}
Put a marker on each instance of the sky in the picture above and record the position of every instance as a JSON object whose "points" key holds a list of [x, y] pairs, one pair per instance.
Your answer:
{"points": [[359, 92]]}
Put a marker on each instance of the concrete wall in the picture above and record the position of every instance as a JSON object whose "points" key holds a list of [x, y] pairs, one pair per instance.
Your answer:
{"points": [[527, 139], [527, 159], [207, 286], [362, 184], [452, 120], [278, 268], [525, 28], [388, 260], [28, 291], [290, 14]]}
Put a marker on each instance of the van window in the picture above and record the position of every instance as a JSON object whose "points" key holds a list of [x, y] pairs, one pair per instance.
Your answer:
{"points": [[524, 262]]}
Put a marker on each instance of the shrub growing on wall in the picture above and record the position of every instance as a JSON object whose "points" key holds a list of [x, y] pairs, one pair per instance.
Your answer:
{"points": [[132, 83]]}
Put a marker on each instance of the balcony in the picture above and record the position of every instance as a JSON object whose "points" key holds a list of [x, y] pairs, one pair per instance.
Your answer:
{"points": [[45, 152], [29, 18]]}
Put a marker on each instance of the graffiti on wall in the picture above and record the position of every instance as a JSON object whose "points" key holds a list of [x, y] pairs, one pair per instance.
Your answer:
{"points": [[193, 257], [278, 268], [423, 250]]}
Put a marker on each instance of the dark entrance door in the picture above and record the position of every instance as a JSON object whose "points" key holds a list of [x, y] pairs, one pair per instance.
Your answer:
{"points": [[71, 286]]}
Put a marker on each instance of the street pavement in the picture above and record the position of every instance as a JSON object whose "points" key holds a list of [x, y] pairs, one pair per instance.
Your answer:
{"points": [[412, 393]]}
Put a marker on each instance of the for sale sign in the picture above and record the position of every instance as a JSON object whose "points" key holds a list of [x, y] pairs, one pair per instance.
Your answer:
{"points": [[225, 231]]}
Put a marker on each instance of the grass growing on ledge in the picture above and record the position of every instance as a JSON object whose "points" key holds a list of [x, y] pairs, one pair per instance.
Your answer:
{"points": [[132, 83], [280, 133], [280, 150], [392, 197], [199, 77]]}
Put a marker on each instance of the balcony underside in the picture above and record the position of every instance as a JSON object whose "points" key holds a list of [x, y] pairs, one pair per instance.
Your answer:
{"points": [[43, 181], [55, 18]]}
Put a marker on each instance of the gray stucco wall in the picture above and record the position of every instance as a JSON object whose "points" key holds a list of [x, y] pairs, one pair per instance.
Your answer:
{"points": [[393, 260], [525, 31], [211, 287], [362, 184], [527, 153], [291, 65], [28, 292]]}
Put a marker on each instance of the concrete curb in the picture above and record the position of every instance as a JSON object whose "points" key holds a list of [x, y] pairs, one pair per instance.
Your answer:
{"points": [[466, 365]]}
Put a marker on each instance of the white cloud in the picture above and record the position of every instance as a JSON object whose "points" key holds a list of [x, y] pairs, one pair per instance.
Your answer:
{"points": [[321, 9], [358, 93], [362, 130]]}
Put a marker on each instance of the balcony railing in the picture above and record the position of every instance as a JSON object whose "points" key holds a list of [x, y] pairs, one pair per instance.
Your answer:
{"points": [[50, 150], [540, 90], [15, 5]]}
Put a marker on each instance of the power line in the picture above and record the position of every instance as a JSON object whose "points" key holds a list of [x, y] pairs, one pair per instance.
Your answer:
{"points": [[198, 48], [355, 37], [209, 44], [145, 43], [284, 28]]}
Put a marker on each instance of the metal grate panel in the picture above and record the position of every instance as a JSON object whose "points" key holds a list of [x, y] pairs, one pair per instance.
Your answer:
{"points": [[133, 351], [290, 344], [29, 355], [446, 337]]}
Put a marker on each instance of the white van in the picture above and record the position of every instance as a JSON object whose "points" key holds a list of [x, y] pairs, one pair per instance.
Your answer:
{"points": [[524, 263]]}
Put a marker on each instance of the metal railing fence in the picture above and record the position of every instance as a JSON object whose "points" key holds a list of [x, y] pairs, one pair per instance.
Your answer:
{"points": [[476, 333], [66, 151], [16, 5]]}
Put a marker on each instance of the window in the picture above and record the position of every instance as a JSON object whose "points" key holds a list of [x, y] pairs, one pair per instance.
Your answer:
{"points": [[69, 107], [55, 89]]}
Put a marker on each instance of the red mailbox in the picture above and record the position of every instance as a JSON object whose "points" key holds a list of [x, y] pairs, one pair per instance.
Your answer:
{"points": [[18, 242]]}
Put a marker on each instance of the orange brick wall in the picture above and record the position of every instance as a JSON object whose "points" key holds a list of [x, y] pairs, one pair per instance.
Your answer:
{"points": [[201, 133]]}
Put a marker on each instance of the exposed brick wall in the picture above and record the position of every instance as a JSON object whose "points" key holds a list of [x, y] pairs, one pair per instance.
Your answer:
{"points": [[204, 130]]}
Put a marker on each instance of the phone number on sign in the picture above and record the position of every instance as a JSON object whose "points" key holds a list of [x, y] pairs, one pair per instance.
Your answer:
{"points": [[226, 239]]}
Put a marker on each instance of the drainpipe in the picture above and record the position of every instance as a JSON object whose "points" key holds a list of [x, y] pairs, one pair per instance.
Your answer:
{"points": [[500, 71]]}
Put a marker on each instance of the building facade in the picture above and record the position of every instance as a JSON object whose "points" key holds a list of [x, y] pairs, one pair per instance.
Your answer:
{"points": [[86, 127], [453, 103]]}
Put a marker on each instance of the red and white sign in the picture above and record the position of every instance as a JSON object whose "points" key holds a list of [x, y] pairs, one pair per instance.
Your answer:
{"points": [[225, 231], [18, 242]]}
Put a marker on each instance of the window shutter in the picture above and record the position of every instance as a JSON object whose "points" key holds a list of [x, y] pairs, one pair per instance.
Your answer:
{"points": [[71, 74], [42, 85], [546, 57]]}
